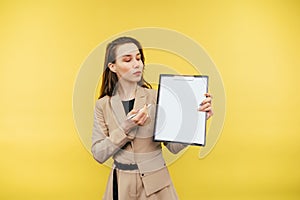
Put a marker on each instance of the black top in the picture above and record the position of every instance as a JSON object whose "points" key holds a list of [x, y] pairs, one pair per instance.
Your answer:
{"points": [[128, 105]]}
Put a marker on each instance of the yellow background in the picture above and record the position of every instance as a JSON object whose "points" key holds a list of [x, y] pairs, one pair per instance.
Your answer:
{"points": [[254, 44]]}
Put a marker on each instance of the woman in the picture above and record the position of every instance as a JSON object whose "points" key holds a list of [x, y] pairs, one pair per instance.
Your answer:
{"points": [[123, 127]]}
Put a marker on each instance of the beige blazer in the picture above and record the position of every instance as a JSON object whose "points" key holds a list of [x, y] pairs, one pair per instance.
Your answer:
{"points": [[108, 138]]}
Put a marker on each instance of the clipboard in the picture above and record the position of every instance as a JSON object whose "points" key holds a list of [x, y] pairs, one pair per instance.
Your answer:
{"points": [[177, 118]]}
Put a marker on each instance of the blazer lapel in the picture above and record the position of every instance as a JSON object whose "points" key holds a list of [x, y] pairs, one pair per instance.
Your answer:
{"points": [[117, 108], [140, 98]]}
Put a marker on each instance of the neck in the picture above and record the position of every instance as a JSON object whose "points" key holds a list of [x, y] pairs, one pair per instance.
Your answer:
{"points": [[127, 90]]}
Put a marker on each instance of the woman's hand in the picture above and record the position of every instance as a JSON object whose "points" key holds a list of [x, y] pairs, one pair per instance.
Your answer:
{"points": [[139, 118], [205, 106]]}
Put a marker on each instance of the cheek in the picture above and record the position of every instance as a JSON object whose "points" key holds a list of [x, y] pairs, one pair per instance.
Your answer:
{"points": [[142, 64], [123, 69]]}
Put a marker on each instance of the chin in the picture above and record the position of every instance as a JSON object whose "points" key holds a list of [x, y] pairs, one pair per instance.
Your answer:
{"points": [[137, 79]]}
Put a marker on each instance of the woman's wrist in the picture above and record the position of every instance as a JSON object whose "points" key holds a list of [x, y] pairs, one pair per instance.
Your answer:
{"points": [[127, 125]]}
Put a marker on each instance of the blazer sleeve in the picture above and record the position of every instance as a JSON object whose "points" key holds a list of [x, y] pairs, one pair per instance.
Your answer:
{"points": [[105, 142], [175, 147]]}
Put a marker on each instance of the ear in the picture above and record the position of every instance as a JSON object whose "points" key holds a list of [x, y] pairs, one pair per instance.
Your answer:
{"points": [[112, 67]]}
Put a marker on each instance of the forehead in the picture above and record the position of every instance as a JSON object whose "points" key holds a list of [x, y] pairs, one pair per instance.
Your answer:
{"points": [[126, 49]]}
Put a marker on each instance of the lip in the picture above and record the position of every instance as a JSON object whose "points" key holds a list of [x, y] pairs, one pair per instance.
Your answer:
{"points": [[137, 73]]}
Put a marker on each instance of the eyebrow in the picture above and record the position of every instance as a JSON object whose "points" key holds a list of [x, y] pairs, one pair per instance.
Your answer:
{"points": [[129, 55], [126, 56]]}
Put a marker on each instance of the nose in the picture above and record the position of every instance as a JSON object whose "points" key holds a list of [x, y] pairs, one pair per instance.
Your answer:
{"points": [[136, 63]]}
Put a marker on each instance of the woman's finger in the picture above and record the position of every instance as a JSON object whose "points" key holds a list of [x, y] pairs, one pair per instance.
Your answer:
{"points": [[203, 107], [132, 114], [207, 100], [209, 114], [207, 109], [208, 95], [133, 111], [143, 119], [139, 117]]}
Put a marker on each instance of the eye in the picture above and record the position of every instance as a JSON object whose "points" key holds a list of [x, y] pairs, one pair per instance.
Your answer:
{"points": [[127, 59]]}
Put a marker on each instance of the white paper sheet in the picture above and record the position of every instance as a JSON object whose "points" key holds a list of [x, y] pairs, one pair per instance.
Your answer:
{"points": [[177, 117]]}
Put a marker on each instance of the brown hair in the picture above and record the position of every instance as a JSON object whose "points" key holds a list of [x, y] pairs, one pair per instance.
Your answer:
{"points": [[109, 78]]}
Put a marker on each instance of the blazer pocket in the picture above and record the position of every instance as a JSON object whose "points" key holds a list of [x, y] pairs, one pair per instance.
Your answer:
{"points": [[156, 181]]}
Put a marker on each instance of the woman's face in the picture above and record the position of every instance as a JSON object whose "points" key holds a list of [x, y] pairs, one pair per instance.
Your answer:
{"points": [[128, 65]]}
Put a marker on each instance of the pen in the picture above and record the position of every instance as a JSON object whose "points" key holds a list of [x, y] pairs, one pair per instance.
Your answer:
{"points": [[133, 115]]}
